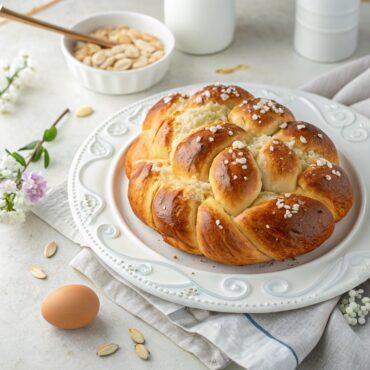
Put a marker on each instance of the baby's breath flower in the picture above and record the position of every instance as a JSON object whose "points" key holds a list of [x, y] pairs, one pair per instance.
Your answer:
{"points": [[13, 78], [354, 307], [9, 167], [13, 217], [8, 186]]}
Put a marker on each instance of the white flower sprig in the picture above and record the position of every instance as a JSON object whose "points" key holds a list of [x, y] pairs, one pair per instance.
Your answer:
{"points": [[355, 307], [13, 78], [20, 189]]}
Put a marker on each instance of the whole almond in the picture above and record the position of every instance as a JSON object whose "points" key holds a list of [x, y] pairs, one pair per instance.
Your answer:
{"points": [[157, 44], [37, 272], [84, 111], [93, 48], [50, 249], [140, 63], [120, 56], [136, 335], [122, 38], [118, 49], [143, 45], [122, 64], [98, 58], [107, 349], [133, 34], [148, 37], [142, 351], [87, 60], [80, 54], [108, 62], [156, 56], [132, 51]]}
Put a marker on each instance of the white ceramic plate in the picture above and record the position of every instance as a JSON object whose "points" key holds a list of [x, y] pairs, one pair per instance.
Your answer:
{"points": [[99, 204]]}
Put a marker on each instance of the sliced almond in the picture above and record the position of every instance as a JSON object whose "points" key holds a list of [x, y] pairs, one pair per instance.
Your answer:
{"points": [[107, 349], [84, 111], [37, 272], [142, 351], [136, 335], [239, 67], [50, 249]]}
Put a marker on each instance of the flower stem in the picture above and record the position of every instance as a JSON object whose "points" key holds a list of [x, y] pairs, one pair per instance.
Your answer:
{"points": [[41, 142]]}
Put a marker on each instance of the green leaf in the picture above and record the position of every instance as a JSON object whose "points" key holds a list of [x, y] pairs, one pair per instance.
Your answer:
{"points": [[37, 155], [50, 134], [19, 158], [30, 146], [9, 201], [46, 158]]}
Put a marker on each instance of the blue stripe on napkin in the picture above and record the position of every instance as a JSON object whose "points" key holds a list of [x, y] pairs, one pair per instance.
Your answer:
{"points": [[264, 331]]}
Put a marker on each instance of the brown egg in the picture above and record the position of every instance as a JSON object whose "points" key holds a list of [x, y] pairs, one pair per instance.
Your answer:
{"points": [[70, 307]]}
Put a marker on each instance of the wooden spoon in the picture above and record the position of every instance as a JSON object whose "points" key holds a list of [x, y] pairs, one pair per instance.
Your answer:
{"points": [[18, 17]]}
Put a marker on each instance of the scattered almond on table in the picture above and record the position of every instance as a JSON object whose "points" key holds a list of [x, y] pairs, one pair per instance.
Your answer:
{"points": [[37, 272], [225, 71], [107, 349], [136, 335], [50, 249], [136, 49], [84, 111], [142, 351]]}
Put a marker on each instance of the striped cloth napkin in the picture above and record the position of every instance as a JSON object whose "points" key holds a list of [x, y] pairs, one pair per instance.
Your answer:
{"points": [[315, 337]]}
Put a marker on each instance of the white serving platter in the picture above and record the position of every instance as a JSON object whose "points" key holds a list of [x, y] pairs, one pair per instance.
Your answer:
{"points": [[98, 199]]}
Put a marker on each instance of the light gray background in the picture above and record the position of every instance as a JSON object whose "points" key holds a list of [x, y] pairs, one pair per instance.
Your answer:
{"points": [[263, 41]]}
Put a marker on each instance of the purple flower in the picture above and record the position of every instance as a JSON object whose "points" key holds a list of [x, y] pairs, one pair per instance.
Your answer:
{"points": [[34, 186]]}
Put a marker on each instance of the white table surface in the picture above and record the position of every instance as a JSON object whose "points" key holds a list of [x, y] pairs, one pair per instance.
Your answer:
{"points": [[263, 40]]}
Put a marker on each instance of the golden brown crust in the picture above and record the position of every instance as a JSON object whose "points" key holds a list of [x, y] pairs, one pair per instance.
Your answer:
{"points": [[193, 156], [220, 94], [220, 240], [308, 137], [212, 173], [260, 117], [162, 140], [174, 215], [235, 179], [138, 150], [280, 167], [329, 184], [142, 188], [165, 107], [280, 236]]}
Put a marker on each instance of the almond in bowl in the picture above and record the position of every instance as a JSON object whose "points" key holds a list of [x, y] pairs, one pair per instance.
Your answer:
{"points": [[136, 49], [139, 61]]}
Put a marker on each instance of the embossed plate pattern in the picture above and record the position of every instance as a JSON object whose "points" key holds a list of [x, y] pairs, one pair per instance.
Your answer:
{"points": [[98, 199]]}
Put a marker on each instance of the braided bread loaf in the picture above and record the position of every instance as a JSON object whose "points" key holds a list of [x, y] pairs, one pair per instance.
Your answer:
{"points": [[235, 178]]}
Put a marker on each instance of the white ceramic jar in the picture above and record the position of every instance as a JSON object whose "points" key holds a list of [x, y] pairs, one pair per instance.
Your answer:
{"points": [[201, 26], [326, 30]]}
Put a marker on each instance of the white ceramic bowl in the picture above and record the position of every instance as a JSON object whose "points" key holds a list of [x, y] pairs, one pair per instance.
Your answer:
{"points": [[122, 82]]}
